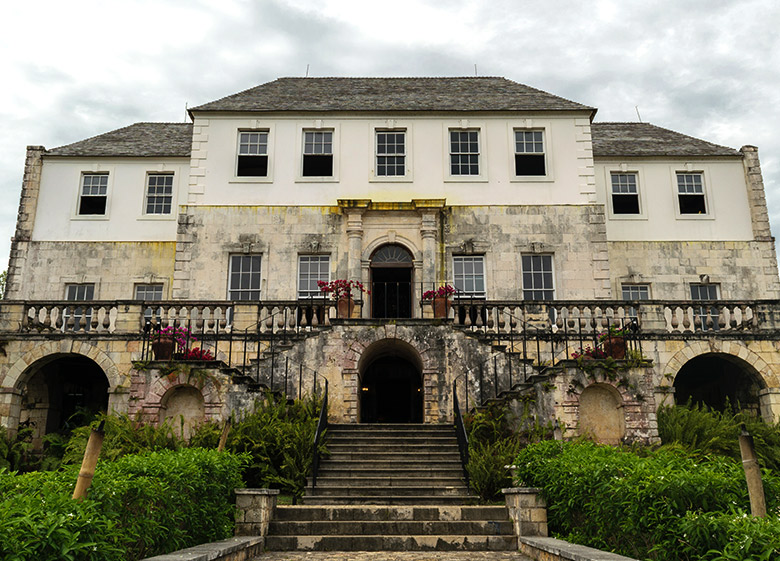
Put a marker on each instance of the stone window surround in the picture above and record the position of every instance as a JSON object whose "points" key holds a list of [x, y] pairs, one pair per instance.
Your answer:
{"points": [[465, 125], [391, 125], [626, 168], [97, 169], [544, 287], [543, 125], [692, 168], [318, 126]]}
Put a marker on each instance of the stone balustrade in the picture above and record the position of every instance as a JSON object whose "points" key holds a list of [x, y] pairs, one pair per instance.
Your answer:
{"points": [[573, 318]]}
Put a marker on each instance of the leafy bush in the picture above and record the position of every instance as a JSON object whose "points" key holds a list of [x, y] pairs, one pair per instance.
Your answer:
{"points": [[138, 506], [632, 504], [706, 432]]}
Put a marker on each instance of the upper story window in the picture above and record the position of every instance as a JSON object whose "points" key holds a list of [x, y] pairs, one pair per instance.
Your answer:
{"points": [[625, 193], [706, 317], [538, 277], [469, 275], [464, 152], [390, 153], [252, 154], [317, 154], [632, 292], [311, 269], [82, 317], [159, 193], [529, 153], [690, 193], [244, 278], [94, 194], [704, 291], [147, 293]]}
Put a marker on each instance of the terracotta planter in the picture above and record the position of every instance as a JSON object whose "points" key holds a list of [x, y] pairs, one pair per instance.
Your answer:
{"points": [[163, 348], [344, 308], [441, 308], [614, 347]]}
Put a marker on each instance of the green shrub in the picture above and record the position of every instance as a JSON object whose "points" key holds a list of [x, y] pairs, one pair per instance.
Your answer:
{"points": [[486, 467], [621, 501], [138, 506], [706, 432]]}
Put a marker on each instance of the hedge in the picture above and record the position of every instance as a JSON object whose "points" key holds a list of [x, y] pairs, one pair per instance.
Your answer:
{"points": [[138, 506], [662, 505]]}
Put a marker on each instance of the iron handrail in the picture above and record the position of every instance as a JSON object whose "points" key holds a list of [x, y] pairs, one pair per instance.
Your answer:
{"points": [[322, 424], [460, 432]]}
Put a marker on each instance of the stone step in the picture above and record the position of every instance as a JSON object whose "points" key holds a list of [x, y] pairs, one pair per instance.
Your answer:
{"points": [[420, 457], [375, 428], [391, 528], [371, 491], [390, 500], [392, 513], [390, 482], [360, 439], [392, 464], [394, 446], [327, 471], [391, 543]]}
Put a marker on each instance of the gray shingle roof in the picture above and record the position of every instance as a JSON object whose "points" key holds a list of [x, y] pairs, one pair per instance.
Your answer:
{"points": [[138, 140], [393, 94], [646, 140]]}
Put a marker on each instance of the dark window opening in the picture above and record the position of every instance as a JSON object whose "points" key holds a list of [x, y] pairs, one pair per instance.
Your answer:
{"points": [[625, 204], [92, 205], [252, 166], [692, 204], [529, 164], [316, 165]]}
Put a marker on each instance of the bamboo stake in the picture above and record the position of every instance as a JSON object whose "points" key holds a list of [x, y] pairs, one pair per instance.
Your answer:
{"points": [[94, 444], [223, 436], [752, 474]]}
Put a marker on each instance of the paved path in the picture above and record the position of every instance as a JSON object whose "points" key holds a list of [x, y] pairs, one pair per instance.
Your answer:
{"points": [[392, 556]]}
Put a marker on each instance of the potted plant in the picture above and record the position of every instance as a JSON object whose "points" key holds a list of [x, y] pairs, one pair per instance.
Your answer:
{"points": [[440, 299], [613, 342], [167, 339], [341, 291], [589, 353]]}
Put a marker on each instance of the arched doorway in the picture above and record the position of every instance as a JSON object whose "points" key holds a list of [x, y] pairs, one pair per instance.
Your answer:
{"points": [[601, 414], [62, 392], [718, 381], [391, 282], [391, 388]]}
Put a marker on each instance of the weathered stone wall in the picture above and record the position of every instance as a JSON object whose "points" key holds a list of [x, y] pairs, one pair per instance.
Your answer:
{"points": [[744, 270], [114, 267]]}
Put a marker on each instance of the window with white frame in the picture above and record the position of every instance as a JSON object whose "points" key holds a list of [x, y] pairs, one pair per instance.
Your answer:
{"points": [[390, 153], [634, 293], [529, 153], [317, 154], [469, 275], [150, 293], [159, 193], [252, 154], [94, 194], [311, 269], [244, 278], [625, 193], [703, 314], [538, 281], [82, 292], [690, 193], [464, 152]]}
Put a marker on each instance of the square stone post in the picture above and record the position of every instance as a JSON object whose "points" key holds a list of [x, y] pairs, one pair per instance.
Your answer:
{"points": [[254, 510], [528, 510]]}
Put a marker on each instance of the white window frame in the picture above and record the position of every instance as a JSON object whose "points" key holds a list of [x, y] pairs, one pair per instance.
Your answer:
{"points": [[149, 176], [692, 169], [482, 153], [468, 153], [530, 125], [625, 169], [624, 191], [82, 180], [533, 151], [231, 291], [460, 280], [266, 154], [313, 292], [149, 311], [250, 126], [532, 272], [334, 131], [403, 154]]}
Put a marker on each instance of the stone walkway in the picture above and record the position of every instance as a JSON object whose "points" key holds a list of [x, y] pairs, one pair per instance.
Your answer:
{"points": [[392, 556]]}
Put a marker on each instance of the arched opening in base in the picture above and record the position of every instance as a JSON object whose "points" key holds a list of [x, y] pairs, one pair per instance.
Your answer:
{"points": [[719, 381], [185, 407], [62, 392], [601, 414], [391, 392]]}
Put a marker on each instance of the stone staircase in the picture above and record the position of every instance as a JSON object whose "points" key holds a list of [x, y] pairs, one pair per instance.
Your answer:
{"points": [[388, 487]]}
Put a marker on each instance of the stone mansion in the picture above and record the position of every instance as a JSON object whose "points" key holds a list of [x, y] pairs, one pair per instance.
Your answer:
{"points": [[557, 232]]}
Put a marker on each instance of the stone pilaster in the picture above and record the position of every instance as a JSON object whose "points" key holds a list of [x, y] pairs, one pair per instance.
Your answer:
{"points": [[756, 196], [355, 235], [25, 220]]}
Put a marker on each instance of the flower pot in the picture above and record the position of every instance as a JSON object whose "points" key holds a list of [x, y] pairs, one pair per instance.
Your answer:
{"points": [[163, 348], [344, 308], [614, 347], [441, 308]]}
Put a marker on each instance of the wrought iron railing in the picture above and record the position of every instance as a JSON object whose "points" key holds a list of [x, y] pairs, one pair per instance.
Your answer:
{"points": [[322, 425], [460, 432]]}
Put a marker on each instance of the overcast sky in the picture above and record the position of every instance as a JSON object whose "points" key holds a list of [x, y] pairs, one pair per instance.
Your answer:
{"points": [[707, 68]]}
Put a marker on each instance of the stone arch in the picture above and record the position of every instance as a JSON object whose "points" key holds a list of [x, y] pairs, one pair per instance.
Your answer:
{"points": [[601, 414], [371, 247], [697, 348], [185, 405], [152, 403], [391, 383]]}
